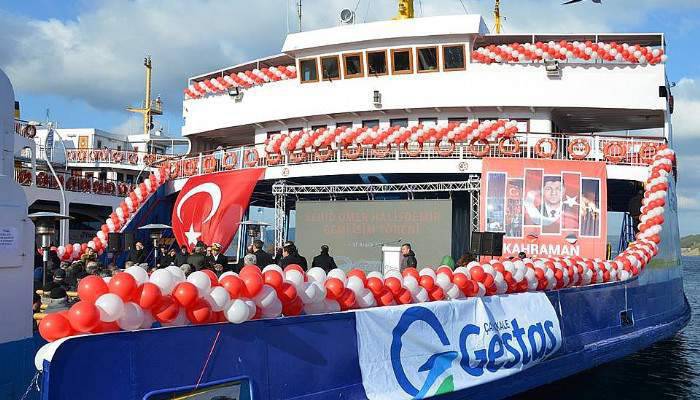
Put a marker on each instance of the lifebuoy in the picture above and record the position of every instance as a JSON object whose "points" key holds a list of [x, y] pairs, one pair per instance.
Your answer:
{"points": [[511, 141], [190, 167], [579, 148], [381, 151], [274, 158], [109, 187], [445, 152], [352, 153], [123, 189], [24, 177], [148, 159], [614, 152], [479, 153], [42, 179], [415, 152], [133, 158], [545, 154], [230, 160], [174, 169], [324, 153], [93, 155], [71, 183], [647, 152], [29, 131], [209, 164], [297, 157], [82, 155], [251, 162], [85, 184], [118, 156]]}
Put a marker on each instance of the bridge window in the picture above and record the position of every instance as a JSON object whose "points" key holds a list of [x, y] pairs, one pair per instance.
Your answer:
{"points": [[370, 123], [401, 61], [353, 65], [343, 125], [458, 120], [431, 121], [399, 122], [308, 70], [330, 68], [453, 57], [428, 59], [317, 127], [376, 62]]}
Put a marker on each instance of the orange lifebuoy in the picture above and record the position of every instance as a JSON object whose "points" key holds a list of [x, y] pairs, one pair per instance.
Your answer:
{"points": [[82, 155], [324, 153], [352, 153], [174, 169], [190, 167], [415, 152], [647, 152], [445, 152], [381, 151], [230, 160], [578, 148], [24, 177], [117, 156], [273, 158], [42, 179], [71, 183], [209, 164], [479, 153], [251, 162], [615, 152], [123, 189], [109, 187], [511, 141], [297, 157], [545, 154], [133, 158]]}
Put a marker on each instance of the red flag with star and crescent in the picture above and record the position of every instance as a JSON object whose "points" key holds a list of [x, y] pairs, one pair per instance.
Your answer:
{"points": [[210, 207]]}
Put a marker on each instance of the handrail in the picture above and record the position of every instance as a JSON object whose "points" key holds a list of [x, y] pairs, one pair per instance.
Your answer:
{"points": [[44, 180], [111, 156]]}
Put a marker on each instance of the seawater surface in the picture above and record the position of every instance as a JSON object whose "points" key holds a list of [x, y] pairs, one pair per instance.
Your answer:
{"points": [[666, 370]]}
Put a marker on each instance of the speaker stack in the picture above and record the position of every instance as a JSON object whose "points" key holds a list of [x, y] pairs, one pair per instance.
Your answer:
{"points": [[487, 243]]}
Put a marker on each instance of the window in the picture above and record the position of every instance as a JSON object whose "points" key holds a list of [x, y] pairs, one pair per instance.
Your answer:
{"points": [[272, 133], [343, 125], [458, 120], [453, 57], [353, 65], [309, 70], [292, 130], [427, 59], [376, 62], [99, 144], [428, 121], [401, 61], [119, 148], [316, 127], [399, 122], [370, 123], [330, 68]]}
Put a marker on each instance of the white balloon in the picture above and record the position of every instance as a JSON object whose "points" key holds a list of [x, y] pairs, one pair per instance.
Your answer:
{"points": [[331, 305], [201, 281], [227, 273], [316, 274], [462, 270], [237, 311], [273, 310], [148, 321], [295, 277], [308, 292], [443, 281], [421, 296], [266, 297], [394, 274], [274, 267], [427, 271], [180, 319], [111, 307], [218, 298], [376, 274], [320, 292], [177, 273], [355, 284], [338, 274], [164, 279], [411, 284], [315, 308], [131, 318], [252, 308], [454, 293]]}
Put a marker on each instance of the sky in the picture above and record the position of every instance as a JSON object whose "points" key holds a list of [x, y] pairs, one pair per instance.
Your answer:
{"points": [[82, 60]]}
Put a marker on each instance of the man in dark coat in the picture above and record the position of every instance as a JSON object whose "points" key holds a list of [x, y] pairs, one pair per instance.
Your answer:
{"points": [[216, 257], [181, 257], [197, 260], [408, 257], [137, 255], [290, 255], [168, 258], [324, 260], [262, 258]]}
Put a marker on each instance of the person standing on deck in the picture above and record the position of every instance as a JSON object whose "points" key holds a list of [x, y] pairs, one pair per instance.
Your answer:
{"points": [[324, 260], [408, 257]]}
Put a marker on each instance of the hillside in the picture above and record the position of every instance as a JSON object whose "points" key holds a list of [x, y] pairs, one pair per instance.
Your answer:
{"points": [[690, 245]]}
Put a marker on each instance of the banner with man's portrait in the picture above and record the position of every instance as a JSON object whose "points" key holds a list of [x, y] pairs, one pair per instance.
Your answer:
{"points": [[546, 207]]}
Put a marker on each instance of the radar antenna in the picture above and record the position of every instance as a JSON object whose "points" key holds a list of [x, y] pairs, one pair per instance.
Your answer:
{"points": [[149, 108]]}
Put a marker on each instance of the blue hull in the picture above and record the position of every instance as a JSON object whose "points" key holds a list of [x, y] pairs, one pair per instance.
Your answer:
{"points": [[315, 357]]}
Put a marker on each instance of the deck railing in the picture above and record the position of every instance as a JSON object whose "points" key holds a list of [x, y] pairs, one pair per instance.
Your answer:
{"points": [[622, 150], [72, 183], [112, 156]]}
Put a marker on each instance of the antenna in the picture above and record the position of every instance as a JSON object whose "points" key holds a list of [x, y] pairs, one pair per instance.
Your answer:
{"points": [[405, 9], [497, 16], [299, 13], [149, 108]]}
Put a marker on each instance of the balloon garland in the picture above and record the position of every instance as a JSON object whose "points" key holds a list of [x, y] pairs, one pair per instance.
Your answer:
{"points": [[133, 300], [569, 51], [242, 80]]}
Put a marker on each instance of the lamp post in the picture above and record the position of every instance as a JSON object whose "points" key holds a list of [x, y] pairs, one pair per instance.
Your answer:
{"points": [[155, 232], [45, 227]]}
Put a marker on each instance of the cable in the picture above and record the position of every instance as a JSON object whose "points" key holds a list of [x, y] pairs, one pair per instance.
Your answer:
{"points": [[356, 5], [464, 7]]}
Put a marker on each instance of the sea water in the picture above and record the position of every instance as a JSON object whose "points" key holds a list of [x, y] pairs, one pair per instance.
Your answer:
{"points": [[666, 370]]}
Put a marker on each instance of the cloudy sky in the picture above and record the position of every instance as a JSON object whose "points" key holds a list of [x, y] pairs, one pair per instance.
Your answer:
{"points": [[82, 59]]}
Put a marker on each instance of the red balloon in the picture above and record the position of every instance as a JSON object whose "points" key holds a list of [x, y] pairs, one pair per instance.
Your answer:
{"points": [[287, 293], [252, 284], [393, 284], [165, 310], [427, 282], [250, 269], [375, 285], [91, 287], [477, 273], [199, 312], [185, 294], [273, 278], [83, 316], [445, 270], [403, 297], [54, 326], [104, 327], [347, 299], [358, 273], [334, 288], [436, 294], [488, 281], [293, 307], [233, 286], [294, 266], [385, 298], [412, 272], [123, 285], [212, 277], [147, 295]]}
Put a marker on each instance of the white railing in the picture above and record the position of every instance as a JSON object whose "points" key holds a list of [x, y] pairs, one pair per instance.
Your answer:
{"points": [[71, 183], [610, 149], [84, 157]]}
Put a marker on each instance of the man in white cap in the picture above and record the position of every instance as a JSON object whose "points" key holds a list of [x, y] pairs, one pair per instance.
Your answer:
{"points": [[216, 256]]}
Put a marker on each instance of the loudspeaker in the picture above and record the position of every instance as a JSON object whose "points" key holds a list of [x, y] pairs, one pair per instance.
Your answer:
{"points": [[487, 243], [114, 242], [128, 240]]}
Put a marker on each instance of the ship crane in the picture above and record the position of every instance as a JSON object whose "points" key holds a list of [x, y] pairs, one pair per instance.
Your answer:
{"points": [[149, 108]]}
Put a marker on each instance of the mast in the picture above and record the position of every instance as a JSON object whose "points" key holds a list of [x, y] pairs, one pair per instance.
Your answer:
{"points": [[405, 10], [497, 16], [149, 108]]}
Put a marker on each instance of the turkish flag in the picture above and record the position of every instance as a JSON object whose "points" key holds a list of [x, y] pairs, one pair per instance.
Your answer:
{"points": [[571, 199], [210, 207]]}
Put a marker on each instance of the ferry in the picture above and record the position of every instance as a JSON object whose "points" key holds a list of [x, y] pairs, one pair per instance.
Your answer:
{"points": [[366, 136]]}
